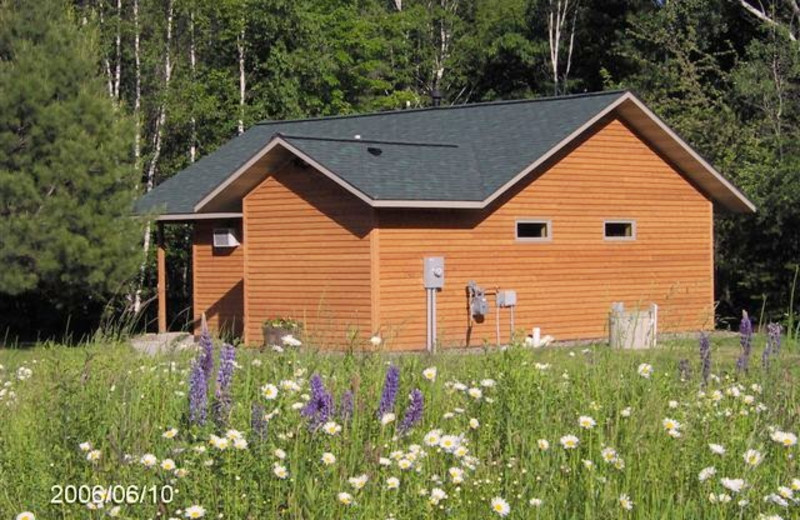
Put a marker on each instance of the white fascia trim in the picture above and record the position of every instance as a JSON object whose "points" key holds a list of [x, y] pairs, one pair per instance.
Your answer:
{"points": [[329, 174], [688, 149], [235, 175], [197, 216], [276, 141], [432, 204]]}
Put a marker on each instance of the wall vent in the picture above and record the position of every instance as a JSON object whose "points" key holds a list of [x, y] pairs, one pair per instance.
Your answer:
{"points": [[225, 237]]}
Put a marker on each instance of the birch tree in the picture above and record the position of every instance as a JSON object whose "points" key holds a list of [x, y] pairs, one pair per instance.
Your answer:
{"points": [[560, 14], [158, 135]]}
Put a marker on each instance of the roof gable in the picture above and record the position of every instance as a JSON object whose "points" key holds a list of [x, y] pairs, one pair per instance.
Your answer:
{"points": [[464, 156]]}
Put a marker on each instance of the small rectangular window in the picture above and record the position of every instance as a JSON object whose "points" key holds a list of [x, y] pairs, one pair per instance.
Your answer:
{"points": [[619, 230], [533, 230]]}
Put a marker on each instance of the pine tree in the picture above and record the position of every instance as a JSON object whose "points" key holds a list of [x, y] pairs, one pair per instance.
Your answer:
{"points": [[67, 181]]}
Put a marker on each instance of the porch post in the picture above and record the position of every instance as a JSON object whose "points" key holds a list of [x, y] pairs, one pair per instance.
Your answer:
{"points": [[162, 280]]}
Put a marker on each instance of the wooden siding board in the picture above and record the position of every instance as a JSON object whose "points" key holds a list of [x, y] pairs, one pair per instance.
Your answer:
{"points": [[218, 279], [309, 256], [566, 285]]}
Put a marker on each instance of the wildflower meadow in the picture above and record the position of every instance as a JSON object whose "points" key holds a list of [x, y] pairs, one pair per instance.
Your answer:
{"points": [[699, 428]]}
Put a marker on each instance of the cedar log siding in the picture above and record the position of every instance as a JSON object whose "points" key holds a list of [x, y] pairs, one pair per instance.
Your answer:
{"points": [[565, 285], [218, 279], [307, 257]]}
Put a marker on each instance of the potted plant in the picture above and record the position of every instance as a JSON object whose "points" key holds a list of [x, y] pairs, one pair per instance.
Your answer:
{"points": [[276, 328]]}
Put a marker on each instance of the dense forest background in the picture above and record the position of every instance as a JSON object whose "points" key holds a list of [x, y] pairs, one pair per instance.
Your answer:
{"points": [[167, 81]]}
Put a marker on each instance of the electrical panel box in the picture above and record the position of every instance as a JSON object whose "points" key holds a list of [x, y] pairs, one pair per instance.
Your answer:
{"points": [[433, 272], [507, 298]]}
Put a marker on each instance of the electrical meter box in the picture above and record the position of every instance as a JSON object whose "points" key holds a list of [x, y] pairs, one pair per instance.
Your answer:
{"points": [[433, 272], [506, 298]]}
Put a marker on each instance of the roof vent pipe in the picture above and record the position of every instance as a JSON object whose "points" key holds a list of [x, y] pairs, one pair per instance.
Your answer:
{"points": [[436, 97]]}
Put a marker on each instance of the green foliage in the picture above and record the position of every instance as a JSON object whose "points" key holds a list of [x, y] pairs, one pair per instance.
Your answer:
{"points": [[66, 176]]}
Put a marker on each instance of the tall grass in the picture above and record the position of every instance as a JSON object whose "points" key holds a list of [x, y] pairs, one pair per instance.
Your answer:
{"points": [[122, 403]]}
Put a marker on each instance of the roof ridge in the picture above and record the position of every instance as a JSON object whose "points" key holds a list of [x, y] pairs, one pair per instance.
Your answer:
{"points": [[371, 141], [449, 107]]}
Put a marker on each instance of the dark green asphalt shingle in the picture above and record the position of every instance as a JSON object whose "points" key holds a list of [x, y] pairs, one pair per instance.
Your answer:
{"points": [[461, 153]]}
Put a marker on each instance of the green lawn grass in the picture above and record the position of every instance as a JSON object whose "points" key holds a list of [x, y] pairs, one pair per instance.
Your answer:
{"points": [[122, 403]]}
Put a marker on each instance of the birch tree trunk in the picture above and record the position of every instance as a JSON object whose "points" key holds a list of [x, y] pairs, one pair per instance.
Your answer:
{"points": [[759, 10], [193, 73], [242, 78], [556, 24], [106, 62], [157, 142], [442, 37], [118, 49]]}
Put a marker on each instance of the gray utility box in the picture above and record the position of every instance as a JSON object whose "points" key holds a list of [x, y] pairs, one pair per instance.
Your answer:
{"points": [[433, 272], [636, 329], [506, 298]]}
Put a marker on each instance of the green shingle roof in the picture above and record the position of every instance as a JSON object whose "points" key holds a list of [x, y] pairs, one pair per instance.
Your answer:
{"points": [[457, 153]]}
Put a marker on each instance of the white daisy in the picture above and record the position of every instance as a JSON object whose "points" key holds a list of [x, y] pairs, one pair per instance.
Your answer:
{"points": [[93, 456], [148, 460], [625, 502], [170, 434], [645, 370], [280, 471], [586, 422], [752, 457], [733, 484], [345, 498], [392, 483], [331, 428], [168, 464], [328, 458], [569, 442], [269, 391], [429, 373], [358, 482], [194, 512], [706, 473], [500, 506], [543, 444], [717, 448]]}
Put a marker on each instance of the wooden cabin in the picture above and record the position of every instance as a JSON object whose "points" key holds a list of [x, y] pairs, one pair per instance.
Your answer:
{"points": [[573, 202]]}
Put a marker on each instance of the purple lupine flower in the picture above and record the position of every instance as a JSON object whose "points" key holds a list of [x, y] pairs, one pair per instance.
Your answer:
{"points": [[320, 407], [389, 395], [414, 411], [705, 356], [766, 354], [206, 352], [745, 341], [346, 406], [773, 346], [257, 422], [222, 396], [198, 394], [774, 337]]}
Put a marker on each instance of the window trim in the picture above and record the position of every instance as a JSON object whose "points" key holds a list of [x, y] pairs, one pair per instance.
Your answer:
{"points": [[630, 221], [534, 220]]}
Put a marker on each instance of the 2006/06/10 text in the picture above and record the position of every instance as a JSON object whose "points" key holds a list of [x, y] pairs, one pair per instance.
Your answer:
{"points": [[111, 494]]}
